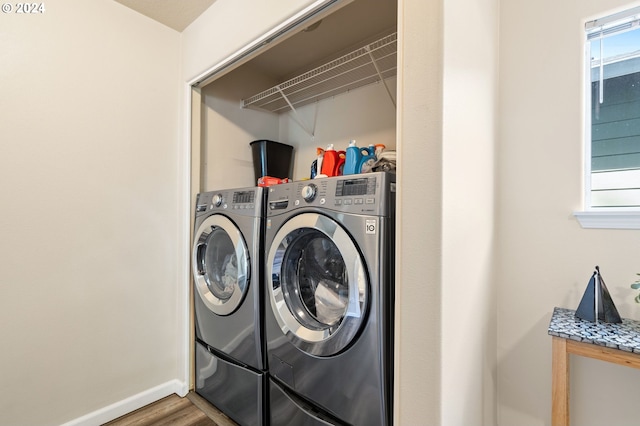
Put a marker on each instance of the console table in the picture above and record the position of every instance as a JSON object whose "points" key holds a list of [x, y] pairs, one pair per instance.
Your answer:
{"points": [[616, 343]]}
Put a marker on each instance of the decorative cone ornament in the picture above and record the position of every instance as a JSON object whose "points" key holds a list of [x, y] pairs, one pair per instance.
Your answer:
{"points": [[596, 304]]}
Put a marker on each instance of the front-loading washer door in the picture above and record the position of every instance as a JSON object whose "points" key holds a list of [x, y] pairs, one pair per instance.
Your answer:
{"points": [[221, 267], [317, 284]]}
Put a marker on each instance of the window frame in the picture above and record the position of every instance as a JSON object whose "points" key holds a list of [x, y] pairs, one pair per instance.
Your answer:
{"points": [[601, 217]]}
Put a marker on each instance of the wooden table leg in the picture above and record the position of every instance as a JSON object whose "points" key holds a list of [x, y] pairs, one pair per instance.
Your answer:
{"points": [[560, 382]]}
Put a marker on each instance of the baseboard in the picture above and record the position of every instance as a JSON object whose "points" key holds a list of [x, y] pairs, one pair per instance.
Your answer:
{"points": [[130, 404]]}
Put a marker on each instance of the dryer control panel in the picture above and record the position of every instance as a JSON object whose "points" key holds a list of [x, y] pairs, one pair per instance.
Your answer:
{"points": [[246, 201], [367, 193]]}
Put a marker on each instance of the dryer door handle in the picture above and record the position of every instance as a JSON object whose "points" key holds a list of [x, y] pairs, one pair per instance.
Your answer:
{"points": [[200, 258]]}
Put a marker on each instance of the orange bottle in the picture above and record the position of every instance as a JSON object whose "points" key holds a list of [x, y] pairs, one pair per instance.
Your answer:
{"points": [[333, 161]]}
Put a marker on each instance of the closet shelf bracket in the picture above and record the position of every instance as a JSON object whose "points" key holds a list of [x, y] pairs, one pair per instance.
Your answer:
{"points": [[380, 76], [296, 116]]}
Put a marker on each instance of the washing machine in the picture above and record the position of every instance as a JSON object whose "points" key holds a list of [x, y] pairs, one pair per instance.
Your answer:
{"points": [[330, 300], [230, 358]]}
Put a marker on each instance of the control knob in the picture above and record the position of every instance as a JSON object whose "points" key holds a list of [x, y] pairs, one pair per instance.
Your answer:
{"points": [[309, 192], [217, 200]]}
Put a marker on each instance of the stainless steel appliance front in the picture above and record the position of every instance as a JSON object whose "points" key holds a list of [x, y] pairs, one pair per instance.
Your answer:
{"points": [[319, 286], [329, 279], [230, 363]]}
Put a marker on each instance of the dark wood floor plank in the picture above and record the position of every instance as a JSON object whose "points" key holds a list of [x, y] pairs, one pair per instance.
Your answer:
{"points": [[149, 414], [189, 415], [218, 417]]}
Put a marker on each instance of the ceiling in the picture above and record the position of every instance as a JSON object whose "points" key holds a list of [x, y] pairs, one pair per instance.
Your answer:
{"points": [[351, 25], [176, 14]]}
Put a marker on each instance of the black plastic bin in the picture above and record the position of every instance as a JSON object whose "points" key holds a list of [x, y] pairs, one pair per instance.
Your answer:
{"points": [[272, 159]]}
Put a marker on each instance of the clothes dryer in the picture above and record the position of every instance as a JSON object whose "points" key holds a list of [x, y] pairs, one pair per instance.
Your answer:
{"points": [[330, 286], [230, 360]]}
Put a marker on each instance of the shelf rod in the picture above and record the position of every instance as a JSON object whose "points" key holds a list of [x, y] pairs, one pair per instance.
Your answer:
{"points": [[296, 117], [375, 64]]}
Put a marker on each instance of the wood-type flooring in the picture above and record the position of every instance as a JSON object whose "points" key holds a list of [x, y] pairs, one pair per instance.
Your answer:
{"points": [[173, 410]]}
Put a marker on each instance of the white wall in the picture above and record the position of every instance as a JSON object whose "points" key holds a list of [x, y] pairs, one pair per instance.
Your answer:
{"points": [[469, 297], [228, 130], [545, 257], [88, 177], [418, 373]]}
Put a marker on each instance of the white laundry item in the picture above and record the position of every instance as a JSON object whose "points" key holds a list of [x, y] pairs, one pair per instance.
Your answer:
{"points": [[330, 307], [230, 272]]}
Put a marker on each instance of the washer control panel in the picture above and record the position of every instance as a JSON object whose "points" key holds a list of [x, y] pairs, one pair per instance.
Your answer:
{"points": [[363, 193], [238, 201]]}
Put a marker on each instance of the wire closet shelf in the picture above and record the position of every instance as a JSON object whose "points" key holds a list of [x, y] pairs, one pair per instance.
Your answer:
{"points": [[369, 64]]}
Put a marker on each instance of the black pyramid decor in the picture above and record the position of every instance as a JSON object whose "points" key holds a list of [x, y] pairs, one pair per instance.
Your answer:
{"points": [[596, 304]]}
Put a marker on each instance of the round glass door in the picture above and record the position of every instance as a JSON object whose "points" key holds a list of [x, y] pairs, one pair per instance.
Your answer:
{"points": [[318, 285], [220, 265]]}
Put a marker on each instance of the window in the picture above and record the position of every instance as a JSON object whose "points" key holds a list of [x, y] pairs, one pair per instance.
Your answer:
{"points": [[613, 112]]}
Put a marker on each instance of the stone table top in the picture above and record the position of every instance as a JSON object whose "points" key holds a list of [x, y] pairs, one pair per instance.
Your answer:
{"points": [[624, 336]]}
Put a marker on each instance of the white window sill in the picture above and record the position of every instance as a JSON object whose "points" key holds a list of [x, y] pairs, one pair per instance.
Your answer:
{"points": [[609, 219]]}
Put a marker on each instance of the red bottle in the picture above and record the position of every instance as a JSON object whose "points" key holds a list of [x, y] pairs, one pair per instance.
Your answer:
{"points": [[333, 162]]}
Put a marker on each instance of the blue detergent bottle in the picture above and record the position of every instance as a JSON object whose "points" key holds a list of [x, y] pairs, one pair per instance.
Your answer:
{"points": [[367, 160], [352, 161]]}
